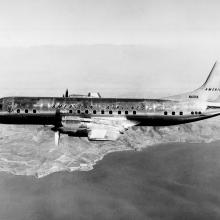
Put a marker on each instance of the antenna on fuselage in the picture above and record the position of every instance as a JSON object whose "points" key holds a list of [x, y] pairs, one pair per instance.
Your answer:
{"points": [[66, 95]]}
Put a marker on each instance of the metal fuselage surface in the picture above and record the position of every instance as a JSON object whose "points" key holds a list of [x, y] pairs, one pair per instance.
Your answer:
{"points": [[50, 110], [106, 118]]}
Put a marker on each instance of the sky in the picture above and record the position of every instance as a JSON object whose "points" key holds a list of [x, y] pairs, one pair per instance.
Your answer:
{"points": [[141, 48], [150, 22]]}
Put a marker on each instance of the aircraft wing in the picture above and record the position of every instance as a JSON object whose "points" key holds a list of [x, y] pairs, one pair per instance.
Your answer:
{"points": [[103, 133], [98, 128]]}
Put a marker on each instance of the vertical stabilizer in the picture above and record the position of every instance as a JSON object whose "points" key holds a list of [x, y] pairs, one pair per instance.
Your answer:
{"points": [[209, 91]]}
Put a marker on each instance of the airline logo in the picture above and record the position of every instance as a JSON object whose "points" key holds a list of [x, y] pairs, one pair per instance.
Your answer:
{"points": [[212, 89], [140, 106]]}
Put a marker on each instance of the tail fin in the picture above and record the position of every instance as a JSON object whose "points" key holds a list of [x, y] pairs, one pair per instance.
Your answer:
{"points": [[209, 91]]}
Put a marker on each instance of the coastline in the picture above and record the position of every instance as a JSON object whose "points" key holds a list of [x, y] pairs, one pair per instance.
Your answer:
{"points": [[164, 181]]}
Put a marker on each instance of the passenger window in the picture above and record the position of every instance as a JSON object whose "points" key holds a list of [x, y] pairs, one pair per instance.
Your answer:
{"points": [[34, 111], [119, 112], [78, 111], [134, 112], [165, 113], [126, 112], [192, 113], [86, 111], [70, 111], [26, 110], [181, 113], [173, 113], [94, 111], [110, 112], [103, 112], [196, 113], [18, 111], [200, 113]]}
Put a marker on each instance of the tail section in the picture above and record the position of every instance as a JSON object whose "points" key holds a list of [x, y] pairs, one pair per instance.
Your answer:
{"points": [[209, 91]]}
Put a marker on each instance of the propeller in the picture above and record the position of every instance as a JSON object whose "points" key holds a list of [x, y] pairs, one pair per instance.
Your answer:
{"points": [[57, 137]]}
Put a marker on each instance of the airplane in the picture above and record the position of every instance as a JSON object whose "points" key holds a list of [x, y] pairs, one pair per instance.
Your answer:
{"points": [[104, 119]]}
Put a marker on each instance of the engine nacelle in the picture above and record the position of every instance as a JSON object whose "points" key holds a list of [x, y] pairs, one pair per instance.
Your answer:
{"points": [[73, 126]]}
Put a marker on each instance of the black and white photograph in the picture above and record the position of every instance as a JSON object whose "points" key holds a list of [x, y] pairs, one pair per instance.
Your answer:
{"points": [[109, 110]]}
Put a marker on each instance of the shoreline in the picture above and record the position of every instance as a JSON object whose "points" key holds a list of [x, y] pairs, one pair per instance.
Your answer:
{"points": [[162, 181], [91, 166]]}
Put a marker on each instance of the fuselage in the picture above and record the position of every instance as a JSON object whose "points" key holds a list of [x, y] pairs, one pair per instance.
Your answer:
{"points": [[106, 118], [151, 112]]}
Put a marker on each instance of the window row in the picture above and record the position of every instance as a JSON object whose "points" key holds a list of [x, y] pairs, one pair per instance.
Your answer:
{"points": [[181, 113], [26, 111], [110, 112], [78, 111], [102, 112]]}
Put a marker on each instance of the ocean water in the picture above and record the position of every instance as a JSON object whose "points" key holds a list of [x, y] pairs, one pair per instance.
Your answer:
{"points": [[30, 150], [167, 181]]}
